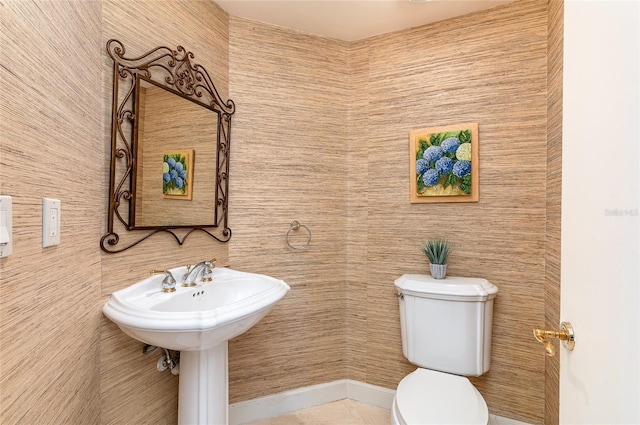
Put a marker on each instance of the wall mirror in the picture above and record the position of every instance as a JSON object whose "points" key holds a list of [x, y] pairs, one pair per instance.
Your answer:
{"points": [[170, 136]]}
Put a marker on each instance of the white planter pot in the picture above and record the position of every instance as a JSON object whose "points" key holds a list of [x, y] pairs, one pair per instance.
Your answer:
{"points": [[438, 271]]}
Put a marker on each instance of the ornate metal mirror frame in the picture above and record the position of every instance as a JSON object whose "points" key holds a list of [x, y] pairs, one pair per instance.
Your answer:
{"points": [[174, 71]]}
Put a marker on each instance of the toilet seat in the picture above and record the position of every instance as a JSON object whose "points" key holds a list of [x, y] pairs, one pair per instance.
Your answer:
{"points": [[428, 397]]}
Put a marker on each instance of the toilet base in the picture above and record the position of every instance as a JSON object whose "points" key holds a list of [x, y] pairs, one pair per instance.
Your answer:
{"points": [[395, 420]]}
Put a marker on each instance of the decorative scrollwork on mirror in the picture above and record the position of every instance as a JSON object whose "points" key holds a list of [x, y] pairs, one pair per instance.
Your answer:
{"points": [[170, 137]]}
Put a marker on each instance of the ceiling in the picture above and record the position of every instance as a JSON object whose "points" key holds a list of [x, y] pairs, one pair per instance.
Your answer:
{"points": [[351, 20]]}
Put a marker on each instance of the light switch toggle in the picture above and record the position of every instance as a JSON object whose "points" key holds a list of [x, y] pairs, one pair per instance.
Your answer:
{"points": [[5, 226], [50, 222], [4, 231]]}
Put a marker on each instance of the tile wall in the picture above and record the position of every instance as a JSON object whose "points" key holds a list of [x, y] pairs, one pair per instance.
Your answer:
{"points": [[293, 132], [320, 136]]}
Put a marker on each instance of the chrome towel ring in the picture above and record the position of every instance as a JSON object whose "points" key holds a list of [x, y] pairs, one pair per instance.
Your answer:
{"points": [[295, 225]]}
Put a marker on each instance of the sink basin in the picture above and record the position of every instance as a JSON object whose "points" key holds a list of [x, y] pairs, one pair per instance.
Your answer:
{"points": [[198, 317], [198, 321]]}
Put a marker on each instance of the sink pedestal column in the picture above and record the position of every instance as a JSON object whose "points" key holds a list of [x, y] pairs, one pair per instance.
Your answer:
{"points": [[203, 391]]}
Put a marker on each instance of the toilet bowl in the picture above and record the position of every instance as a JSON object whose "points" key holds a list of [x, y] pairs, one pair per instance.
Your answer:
{"points": [[446, 332], [426, 397]]}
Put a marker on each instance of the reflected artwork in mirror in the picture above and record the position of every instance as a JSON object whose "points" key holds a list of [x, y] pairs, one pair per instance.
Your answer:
{"points": [[170, 137]]}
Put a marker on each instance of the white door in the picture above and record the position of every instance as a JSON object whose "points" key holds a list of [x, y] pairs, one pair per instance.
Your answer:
{"points": [[600, 379]]}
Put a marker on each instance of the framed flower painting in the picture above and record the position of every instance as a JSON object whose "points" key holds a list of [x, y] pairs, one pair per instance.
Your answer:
{"points": [[177, 174], [443, 164]]}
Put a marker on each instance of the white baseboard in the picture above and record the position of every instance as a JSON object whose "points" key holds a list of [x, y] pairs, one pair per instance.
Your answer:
{"points": [[302, 398], [499, 420], [372, 395], [305, 397]]}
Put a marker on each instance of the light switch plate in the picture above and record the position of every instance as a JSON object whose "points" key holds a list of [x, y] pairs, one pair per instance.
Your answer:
{"points": [[50, 222], [6, 236]]}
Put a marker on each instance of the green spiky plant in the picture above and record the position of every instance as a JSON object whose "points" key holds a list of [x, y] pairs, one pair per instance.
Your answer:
{"points": [[437, 250]]}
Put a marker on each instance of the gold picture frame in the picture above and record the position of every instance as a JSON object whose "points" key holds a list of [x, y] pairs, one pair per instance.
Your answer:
{"points": [[177, 174], [443, 164]]}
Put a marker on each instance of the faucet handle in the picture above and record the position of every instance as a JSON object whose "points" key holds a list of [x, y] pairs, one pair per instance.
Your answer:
{"points": [[169, 282], [208, 270]]}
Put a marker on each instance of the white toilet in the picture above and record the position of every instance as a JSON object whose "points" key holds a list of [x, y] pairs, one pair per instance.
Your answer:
{"points": [[446, 332]]}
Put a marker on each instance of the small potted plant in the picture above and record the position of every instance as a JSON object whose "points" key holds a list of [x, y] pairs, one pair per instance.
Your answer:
{"points": [[437, 250]]}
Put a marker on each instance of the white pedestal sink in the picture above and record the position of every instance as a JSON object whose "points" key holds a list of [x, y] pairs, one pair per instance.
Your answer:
{"points": [[198, 321]]}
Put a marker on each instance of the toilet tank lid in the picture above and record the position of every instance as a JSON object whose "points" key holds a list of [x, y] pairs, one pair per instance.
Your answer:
{"points": [[449, 288]]}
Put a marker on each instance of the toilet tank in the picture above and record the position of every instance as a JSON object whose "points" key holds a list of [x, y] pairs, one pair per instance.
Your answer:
{"points": [[446, 323]]}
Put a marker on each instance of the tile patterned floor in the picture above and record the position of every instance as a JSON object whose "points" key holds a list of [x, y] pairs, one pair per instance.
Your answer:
{"points": [[349, 412], [343, 412]]}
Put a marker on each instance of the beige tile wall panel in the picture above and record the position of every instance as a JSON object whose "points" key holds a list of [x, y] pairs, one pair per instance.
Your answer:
{"points": [[201, 28], [489, 67], [49, 123], [321, 136], [289, 162], [357, 227], [133, 391], [554, 197]]}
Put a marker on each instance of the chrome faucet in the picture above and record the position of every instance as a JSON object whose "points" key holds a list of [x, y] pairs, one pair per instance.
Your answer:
{"points": [[189, 278]]}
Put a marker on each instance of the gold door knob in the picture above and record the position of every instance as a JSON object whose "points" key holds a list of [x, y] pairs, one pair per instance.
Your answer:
{"points": [[565, 334]]}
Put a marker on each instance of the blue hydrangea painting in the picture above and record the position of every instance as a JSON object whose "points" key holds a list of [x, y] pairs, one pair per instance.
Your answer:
{"points": [[177, 174], [444, 164]]}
